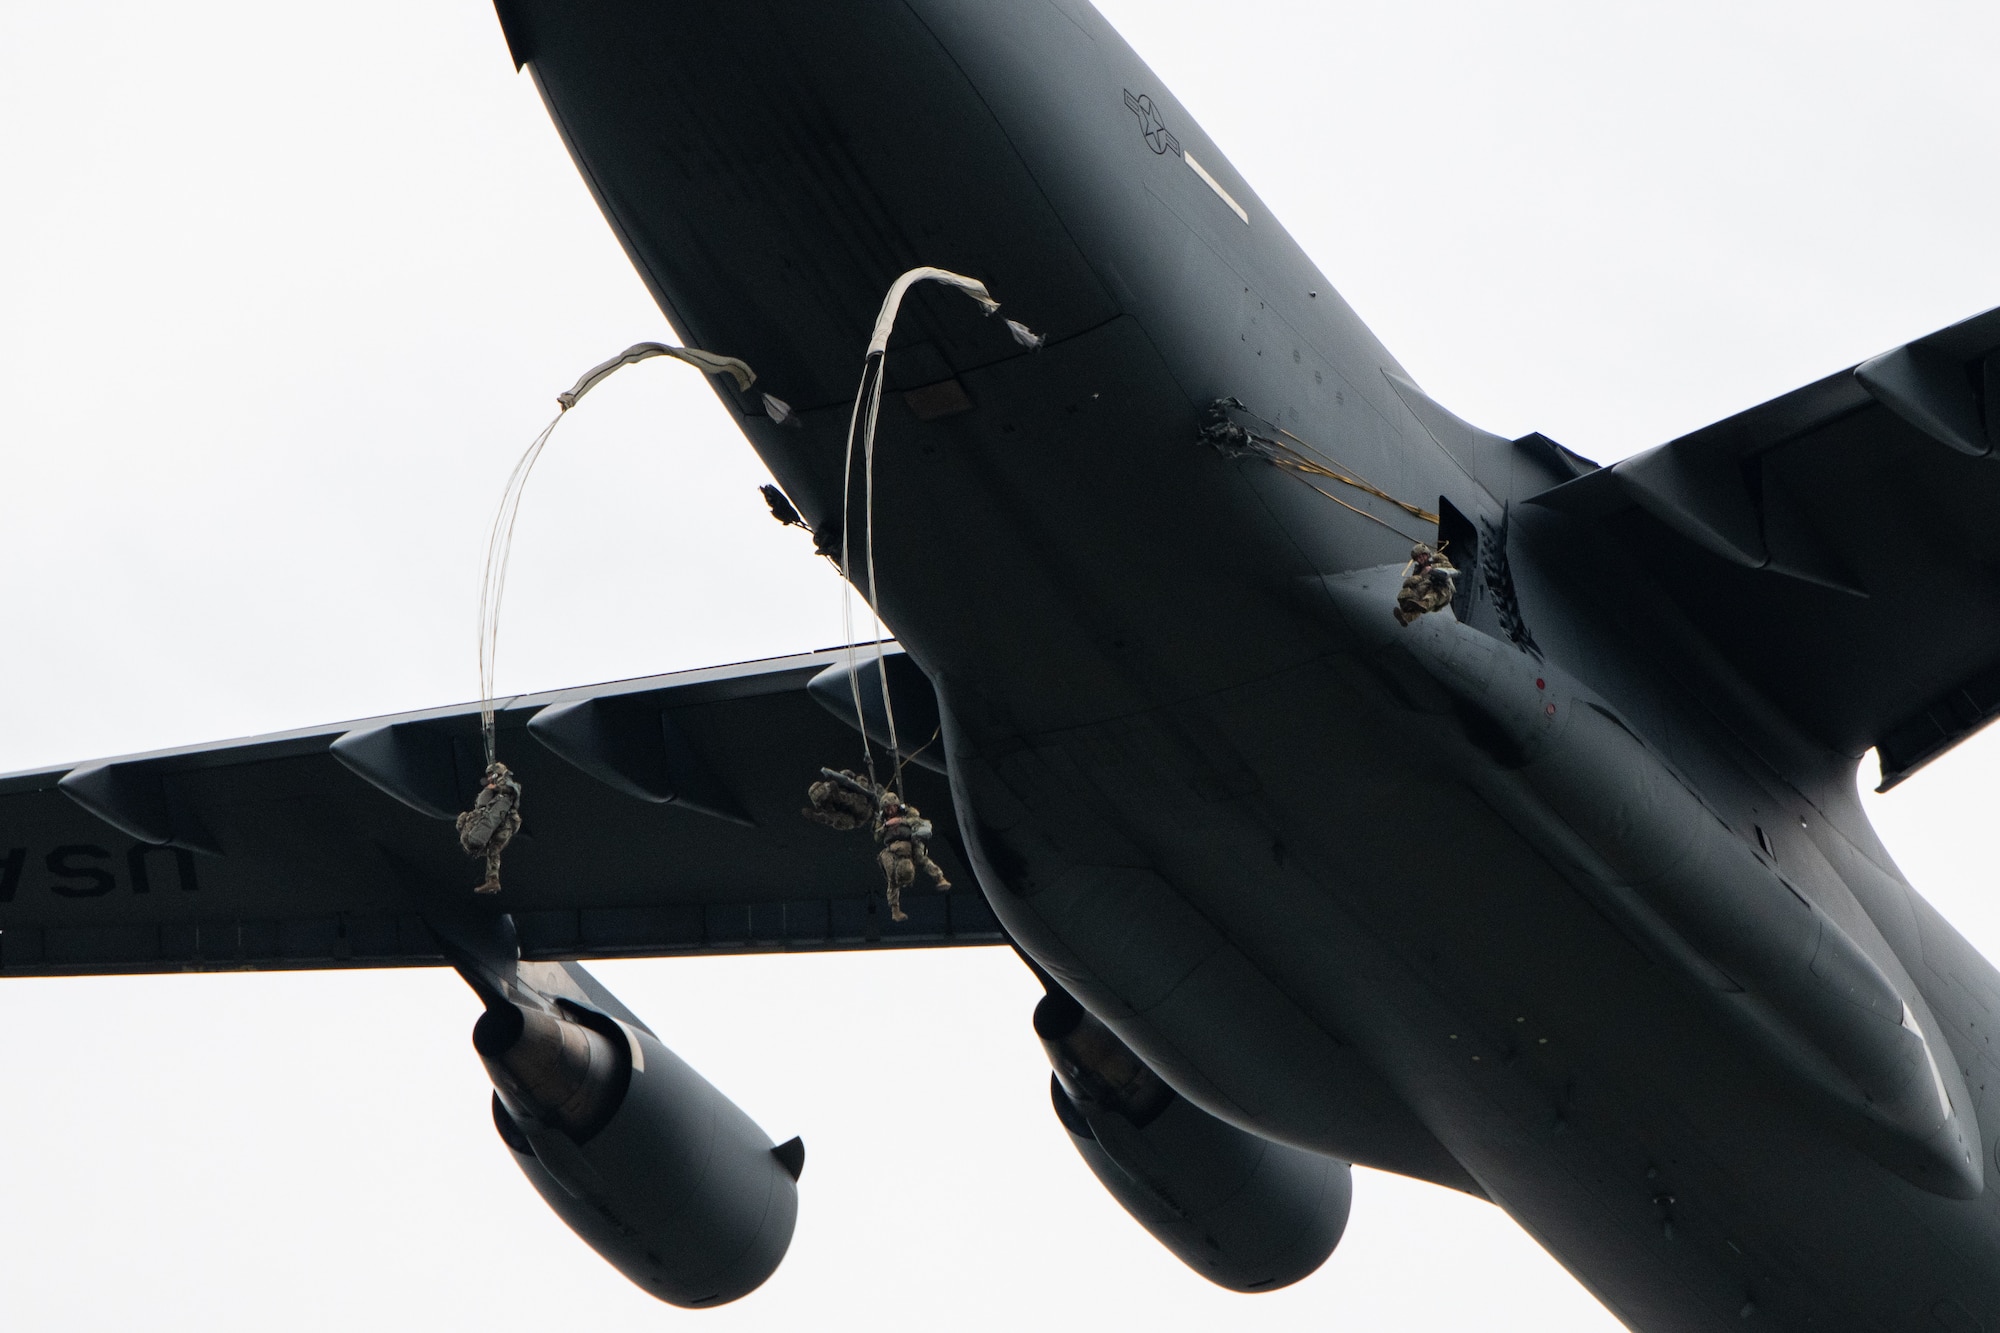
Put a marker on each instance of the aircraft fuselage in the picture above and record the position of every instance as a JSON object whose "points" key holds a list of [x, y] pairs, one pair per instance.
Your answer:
{"points": [[1531, 899]]}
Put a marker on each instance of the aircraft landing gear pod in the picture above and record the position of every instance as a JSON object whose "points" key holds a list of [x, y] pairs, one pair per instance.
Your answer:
{"points": [[1245, 1213]]}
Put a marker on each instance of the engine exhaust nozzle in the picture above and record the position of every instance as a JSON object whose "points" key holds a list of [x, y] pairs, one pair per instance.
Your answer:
{"points": [[552, 1068]]}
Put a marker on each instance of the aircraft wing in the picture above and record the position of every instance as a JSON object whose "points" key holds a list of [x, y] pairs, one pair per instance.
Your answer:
{"points": [[1837, 544], [660, 816]]}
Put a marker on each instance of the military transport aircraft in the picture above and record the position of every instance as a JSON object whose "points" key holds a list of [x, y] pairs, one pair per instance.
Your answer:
{"points": [[1557, 894]]}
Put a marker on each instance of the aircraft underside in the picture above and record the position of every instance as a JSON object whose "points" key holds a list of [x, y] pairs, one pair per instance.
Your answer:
{"points": [[1550, 897], [1260, 844]]}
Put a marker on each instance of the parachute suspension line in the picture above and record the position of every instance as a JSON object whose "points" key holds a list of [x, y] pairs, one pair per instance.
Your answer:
{"points": [[1357, 509], [1329, 468], [1224, 434], [493, 580], [868, 517], [847, 577], [867, 409], [500, 539]]}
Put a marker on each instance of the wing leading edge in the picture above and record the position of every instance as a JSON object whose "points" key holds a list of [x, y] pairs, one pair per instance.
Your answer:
{"points": [[661, 817], [1836, 544]]}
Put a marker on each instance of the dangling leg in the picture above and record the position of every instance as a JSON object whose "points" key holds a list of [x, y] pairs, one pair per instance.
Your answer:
{"points": [[900, 873], [929, 867], [492, 884]]}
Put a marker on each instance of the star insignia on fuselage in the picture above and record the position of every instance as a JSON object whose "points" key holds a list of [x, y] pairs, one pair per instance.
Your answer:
{"points": [[1151, 124]]}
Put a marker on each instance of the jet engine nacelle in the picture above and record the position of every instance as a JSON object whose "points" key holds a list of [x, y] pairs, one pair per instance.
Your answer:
{"points": [[656, 1170], [1245, 1213]]}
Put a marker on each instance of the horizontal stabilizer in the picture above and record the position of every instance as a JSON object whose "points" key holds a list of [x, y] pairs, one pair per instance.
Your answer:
{"points": [[1835, 544]]}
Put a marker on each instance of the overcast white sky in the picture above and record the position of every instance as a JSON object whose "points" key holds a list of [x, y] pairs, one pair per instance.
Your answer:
{"points": [[285, 288]]}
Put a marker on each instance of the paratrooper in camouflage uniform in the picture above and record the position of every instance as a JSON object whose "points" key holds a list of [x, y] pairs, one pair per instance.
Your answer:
{"points": [[841, 801], [1429, 584], [905, 834], [491, 823], [847, 800]]}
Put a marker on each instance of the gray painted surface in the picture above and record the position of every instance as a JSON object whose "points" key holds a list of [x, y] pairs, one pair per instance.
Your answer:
{"points": [[1628, 966]]}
